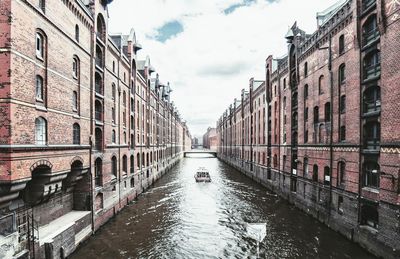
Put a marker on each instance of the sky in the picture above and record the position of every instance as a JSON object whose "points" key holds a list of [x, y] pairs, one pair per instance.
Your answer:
{"points": [[209, 49]]}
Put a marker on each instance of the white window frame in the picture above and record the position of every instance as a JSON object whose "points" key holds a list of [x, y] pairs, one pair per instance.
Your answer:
{"points": [[40, 131]]}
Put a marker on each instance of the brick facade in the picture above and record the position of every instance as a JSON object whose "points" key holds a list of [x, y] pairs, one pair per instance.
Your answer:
{"points": [[85, 125], [331, 147]]}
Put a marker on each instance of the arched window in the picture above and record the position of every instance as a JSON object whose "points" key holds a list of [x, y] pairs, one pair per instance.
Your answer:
{"points": [[101, 28], [372, 99], [316, 114], [372, 135], [42, 5], [98, 171], [114, 166], [138, 160], [98, 81], [124, 137], [132, 122], [327, 111], [98, 110], [305, 69], [76, 134], [40, 131], [327, 175], [125, 164], [305, 92], [75, 67], [113, 92], [371, 174], [77, 33], [370, 31], [39, 88], [124, 98], [372, 64], [74, 101], [143, 160], [341, 45], [40, 45], [341, 168], [284, 83], [315, 173], [147, 160], [98, 139], [342, 74], [113, 137], [321, 85]]}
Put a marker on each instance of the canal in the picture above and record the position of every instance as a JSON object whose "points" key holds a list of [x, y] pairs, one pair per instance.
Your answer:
{"points": [[179, 218]]}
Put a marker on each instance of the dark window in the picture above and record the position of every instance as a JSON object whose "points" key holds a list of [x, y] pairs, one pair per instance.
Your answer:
{"points": [[75, 67], [327, 175], [321, 85], [370, 31], [306, 114], [305, 136], [114, 166], [98, 171], [113, 137], [132, 165], [98, 139], [113, 66], [342, 135], [77, 33], [341, 45], [305, 69], [372, 64], [76, 134], [315, 173], [98, 111], [98, 84], [328, 111], [372, 135], [101, 28], [305, 91], [316, 114], [138, 160], [74, 101], [372, 99], [42, 5], [341, 171], [125, 164], [369, 215], [342, 74], [342, 104], [113, 92], [99, 57], [284, 83]]}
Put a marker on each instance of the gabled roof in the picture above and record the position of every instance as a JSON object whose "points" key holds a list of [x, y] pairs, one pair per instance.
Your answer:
{"points": [[324, 16]]}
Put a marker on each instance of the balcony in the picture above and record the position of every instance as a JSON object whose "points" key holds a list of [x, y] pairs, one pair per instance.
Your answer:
{"points": [[370, 37], [372, 71], [367, 4]]}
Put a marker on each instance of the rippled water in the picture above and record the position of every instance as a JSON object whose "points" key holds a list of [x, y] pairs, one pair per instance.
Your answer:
{"points": [[179, 218]]}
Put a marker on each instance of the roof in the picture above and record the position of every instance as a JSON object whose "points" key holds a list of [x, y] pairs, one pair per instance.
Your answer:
{"points": [[326, 15]]}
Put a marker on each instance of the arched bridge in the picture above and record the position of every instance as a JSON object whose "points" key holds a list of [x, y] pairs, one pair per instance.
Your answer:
{"points": [[200, 151]]}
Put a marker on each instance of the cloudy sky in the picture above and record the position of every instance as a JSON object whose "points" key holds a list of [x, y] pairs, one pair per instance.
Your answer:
{"points": [[209, 49]]}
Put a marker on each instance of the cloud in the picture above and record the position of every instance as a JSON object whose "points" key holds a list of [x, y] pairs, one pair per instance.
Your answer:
{"points": [[168, 31], [215, 54]]}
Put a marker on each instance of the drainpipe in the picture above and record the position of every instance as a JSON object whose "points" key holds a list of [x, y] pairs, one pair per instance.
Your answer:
{"points": [[331, 122], [92, 40], [119, 135]]}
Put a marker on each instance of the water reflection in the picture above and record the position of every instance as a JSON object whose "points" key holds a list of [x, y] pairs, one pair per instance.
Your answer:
{"points": [[179, 218]]}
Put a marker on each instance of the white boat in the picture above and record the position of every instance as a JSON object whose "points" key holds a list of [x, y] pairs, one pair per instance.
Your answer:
{"points": [[202, 175]]}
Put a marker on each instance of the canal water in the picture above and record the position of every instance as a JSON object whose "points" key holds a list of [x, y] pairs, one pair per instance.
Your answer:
{"points": [[179, 218]]}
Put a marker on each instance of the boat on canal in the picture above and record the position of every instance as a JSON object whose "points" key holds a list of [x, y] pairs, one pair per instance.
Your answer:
{"points": [[202, 175]]}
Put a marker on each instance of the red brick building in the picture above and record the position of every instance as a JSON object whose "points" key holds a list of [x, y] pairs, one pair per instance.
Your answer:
{"points": [[85, 127], [332, 144], [210, 140]]}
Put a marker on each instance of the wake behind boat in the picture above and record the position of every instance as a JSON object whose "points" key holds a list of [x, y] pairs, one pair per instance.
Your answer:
{"points": [[202, 175]]}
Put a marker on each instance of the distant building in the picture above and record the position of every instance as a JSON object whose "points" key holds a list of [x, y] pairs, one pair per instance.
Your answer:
{"points": [[210, 140]]}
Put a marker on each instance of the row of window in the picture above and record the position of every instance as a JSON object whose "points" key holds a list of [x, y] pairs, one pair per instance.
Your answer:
{"points": [[41, 132]]}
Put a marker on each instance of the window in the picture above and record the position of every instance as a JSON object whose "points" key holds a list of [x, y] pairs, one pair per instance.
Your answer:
{"points": [[342, 104], [113, 66], [98, 139], [320, 134], [316, 114], [305, 167], [372, 64], [77, 33], [372, 135], [74, 101], [315, 173], [342, 134], [138, 161], [305, 69], [321, 84], [327, 111], [125, 164], [341, 45], [124, 137], [124, 98], [341, 171], [327, 175], [99, 57], [305, 92], [306, 114], [113, 90], [342, 74], [39, 88], [98, 84], [39, 45], [284, 83], [98, 111], [101, 28], [114, 166], [98, 171], [132, 165], [370, 31], [42, 5], [76, 134], [113, 137], [369, 215], [40, 131], [113, 114], [75, 67], [372, 99], [306, 136]]}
